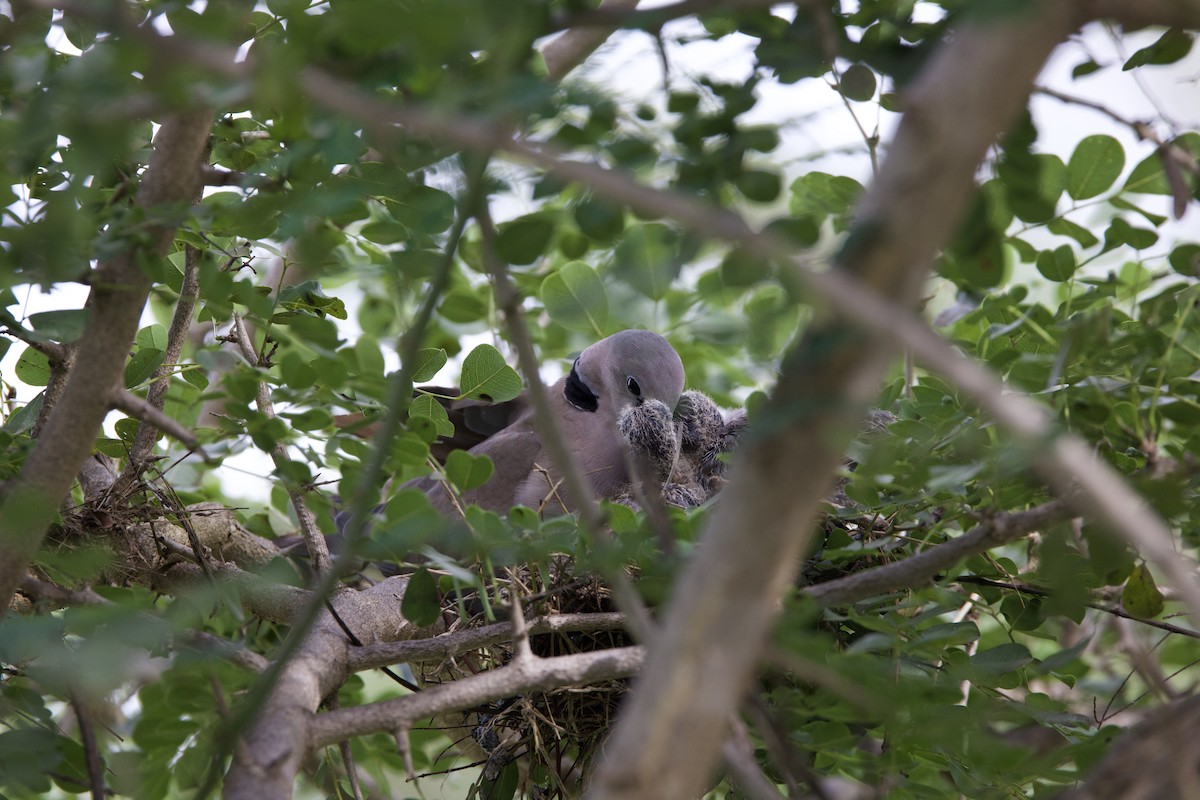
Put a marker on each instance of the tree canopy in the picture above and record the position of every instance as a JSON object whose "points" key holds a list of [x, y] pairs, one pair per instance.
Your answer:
{"points": [[288, 227]]}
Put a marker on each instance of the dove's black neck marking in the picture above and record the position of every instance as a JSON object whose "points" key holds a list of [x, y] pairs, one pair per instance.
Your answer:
{"points": [[577, 392]]}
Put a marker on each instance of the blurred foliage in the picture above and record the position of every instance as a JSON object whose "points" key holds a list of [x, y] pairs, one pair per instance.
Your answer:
{"points": [[327, 238]]}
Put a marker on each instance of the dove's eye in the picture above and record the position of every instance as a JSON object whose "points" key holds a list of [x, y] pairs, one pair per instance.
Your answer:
{"points": [[634, 388]]}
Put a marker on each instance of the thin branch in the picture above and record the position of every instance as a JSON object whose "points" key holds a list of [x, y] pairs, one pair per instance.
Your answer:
{"points": [[449, 645], [738, 753], [51, 350], [563, 53], [923, 567], [156, 395], [314, 540], [1139, 127], [1025, 588], [154, 420], [91, 752], [515, 678], [60, 596]]}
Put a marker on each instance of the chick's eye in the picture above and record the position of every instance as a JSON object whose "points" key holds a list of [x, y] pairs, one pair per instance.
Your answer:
{"points": [[634, 388]]}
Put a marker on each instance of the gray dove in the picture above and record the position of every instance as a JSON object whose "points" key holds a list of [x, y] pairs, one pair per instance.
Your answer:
{"points": [[623, 371]]}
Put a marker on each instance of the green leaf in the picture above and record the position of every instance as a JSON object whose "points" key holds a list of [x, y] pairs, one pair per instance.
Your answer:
{"points": [[369, 356], [739, 268], [427, 407], [61, 326], [949, 634], [503, 786], [525, 239], [421, 604], [858, 83], [485, 375], [24, 417], [1141, 597], [575, 298], [1154, 219], [463, 305], [599, 219], [1065, 227], [1148, 178], [820, 195], [1057, 265], [314, 419], [33, 368], [648, 259], [759, 185], [1172, 46], [152, 336], [1002, 659], [142, 365], [1094, 166], [309, 297], [296, 372], [27, 756], [466, 471], [1024, 613], [1121, 232], [430, 361], [423, 208], [1185, 259]]}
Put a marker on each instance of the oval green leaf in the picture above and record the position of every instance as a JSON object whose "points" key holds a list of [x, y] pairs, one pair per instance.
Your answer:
{"points": [[523, 240], [466, 471], [486, 376], [429, 362], [575, 298], [62, 326], [858, 83], [33, 368], [1058, 264], [648, 258], [421, 604], [1141, 596], [425, 406], [1094, 166]]}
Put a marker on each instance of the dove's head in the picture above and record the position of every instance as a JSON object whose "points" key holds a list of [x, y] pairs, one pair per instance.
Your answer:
{"points": [[624, 370]]}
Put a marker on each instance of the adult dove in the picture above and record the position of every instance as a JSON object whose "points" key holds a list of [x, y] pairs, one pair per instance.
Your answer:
{"points": [[620, 372]]}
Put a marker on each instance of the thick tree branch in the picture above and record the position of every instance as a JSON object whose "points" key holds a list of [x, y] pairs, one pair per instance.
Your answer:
{"points": [[676, 716], [271, 752], [567, 50], [515, 678], [119, 291]]}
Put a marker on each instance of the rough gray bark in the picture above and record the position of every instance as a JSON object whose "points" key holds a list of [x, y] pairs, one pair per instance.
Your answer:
{"points": [[676, 718], [272, 751], [119, 291]]}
